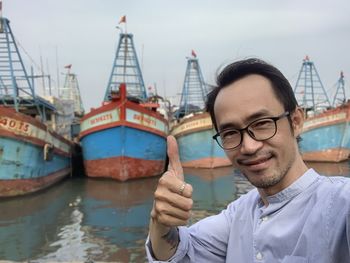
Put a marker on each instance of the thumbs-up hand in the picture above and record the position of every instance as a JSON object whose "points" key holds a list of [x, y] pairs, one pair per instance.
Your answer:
{"points": [[173, 197]]}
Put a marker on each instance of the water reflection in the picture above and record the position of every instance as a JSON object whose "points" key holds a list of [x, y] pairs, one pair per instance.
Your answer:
{"points": [[103, 220], [214, 189], [117, 216], [243, 186], [71, 243], [30, 223]]}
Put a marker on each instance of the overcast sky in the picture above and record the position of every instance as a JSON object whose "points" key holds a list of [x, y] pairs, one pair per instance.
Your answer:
{"points": [[84, 34]]}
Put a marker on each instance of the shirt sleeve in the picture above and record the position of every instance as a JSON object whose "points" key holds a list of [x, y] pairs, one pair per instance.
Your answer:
{"points": [[338, 220], [205, 241]]}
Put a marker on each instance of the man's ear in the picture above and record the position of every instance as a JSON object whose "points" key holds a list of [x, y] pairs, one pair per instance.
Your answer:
{"points": [[297, 118]]}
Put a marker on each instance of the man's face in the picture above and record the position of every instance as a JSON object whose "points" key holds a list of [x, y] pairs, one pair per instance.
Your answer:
{"points": [[266, 164]]}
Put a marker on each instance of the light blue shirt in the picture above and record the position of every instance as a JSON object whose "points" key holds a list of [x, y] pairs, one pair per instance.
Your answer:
{"points": [[307, 222]]}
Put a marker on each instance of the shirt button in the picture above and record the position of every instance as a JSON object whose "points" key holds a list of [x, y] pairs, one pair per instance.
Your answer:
{"points": [[264, 218], [259, 256]]}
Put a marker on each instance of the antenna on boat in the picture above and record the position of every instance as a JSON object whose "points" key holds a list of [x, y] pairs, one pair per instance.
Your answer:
{"points": [[57, 73], [123, 21]]}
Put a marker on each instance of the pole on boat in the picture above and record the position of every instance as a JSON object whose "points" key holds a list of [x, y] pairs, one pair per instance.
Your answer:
{"points": [[0, 8], [123, 21]]}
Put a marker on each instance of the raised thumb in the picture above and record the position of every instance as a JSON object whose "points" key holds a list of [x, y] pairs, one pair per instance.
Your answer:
{"points": [[174, 157]]}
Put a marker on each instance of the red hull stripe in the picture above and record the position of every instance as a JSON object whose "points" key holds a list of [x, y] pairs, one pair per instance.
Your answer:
{"points": [[329, 155], [207, 163], [123, 168], [9, 188]]}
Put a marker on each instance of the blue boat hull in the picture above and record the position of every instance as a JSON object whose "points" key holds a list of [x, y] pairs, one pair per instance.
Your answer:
{"points": [[31, 157], [196, 145], [326, 137], [123, 153], [123, 140]]}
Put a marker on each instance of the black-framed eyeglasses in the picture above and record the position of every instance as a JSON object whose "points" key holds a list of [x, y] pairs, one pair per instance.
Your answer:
{"points": [[260, 130]]}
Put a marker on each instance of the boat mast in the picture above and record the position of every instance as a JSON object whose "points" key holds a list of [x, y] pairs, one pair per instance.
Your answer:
{"points": [[309, 89], [71, 91], [340, 96], [15, 88], [126, 69], [194, 89]]}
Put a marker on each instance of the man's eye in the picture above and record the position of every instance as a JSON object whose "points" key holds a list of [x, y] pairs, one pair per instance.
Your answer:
{"points": [[229, 134], [262, 124]]}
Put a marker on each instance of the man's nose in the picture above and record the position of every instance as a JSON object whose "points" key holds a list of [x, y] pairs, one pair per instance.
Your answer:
{"points": [[249, 145]]}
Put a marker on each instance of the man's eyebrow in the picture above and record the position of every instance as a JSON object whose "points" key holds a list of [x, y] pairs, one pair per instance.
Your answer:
{"points": [[249, 119]]}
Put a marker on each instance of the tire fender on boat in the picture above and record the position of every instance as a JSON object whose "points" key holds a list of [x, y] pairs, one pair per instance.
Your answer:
{"points": [[48, 152]]}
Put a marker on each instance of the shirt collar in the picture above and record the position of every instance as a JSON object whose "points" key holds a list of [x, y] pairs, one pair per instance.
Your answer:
{"points": [[294, 189]]}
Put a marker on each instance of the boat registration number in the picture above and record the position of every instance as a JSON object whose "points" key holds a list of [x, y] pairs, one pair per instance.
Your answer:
{"points": [[12, 124]]}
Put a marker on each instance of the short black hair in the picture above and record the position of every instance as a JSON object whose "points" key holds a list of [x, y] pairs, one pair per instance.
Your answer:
{"points": [[239, 69]]}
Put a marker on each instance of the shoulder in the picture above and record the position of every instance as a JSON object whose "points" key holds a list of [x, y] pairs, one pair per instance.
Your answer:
{"points": [[335, 193], [338, 184]]}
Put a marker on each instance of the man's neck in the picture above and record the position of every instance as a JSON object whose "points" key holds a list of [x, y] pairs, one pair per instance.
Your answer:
{"points": [[293, 175]]}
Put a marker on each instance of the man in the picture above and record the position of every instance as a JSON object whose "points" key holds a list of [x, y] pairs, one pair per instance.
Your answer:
{"points": [[293, 215]]}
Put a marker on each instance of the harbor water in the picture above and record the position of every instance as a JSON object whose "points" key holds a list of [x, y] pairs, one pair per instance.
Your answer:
{"points": [[89, 220]]}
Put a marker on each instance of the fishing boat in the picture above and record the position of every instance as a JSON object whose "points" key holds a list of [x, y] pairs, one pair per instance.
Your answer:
{"points": [[125, 138], [326, 134], [33, 155], [192, 126]]}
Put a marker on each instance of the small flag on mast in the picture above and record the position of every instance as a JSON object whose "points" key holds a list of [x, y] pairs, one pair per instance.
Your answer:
{"points": [[194, 53], [122, 20], [68, 66]]}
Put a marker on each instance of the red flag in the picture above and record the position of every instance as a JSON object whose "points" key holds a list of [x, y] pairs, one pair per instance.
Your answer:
{"points": [[68, 66], [122, 20], [194, 53]]}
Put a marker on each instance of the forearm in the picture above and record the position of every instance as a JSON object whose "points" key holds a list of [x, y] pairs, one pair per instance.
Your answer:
{"points": [[164, 240]]}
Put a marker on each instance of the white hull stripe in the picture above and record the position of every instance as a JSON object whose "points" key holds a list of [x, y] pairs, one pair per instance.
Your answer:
{"points": [[27, 129]]}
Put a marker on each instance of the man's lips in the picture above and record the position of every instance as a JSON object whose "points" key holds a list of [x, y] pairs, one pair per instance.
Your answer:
{"points": [[254, 161]]}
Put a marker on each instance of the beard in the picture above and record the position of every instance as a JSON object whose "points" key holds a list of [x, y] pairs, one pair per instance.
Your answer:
{"points": [[271, 178]]}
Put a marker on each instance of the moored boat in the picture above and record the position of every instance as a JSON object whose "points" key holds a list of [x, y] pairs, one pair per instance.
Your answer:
{"points": [[125, 138], [33, 155], [326, 134], [193, 127]]}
